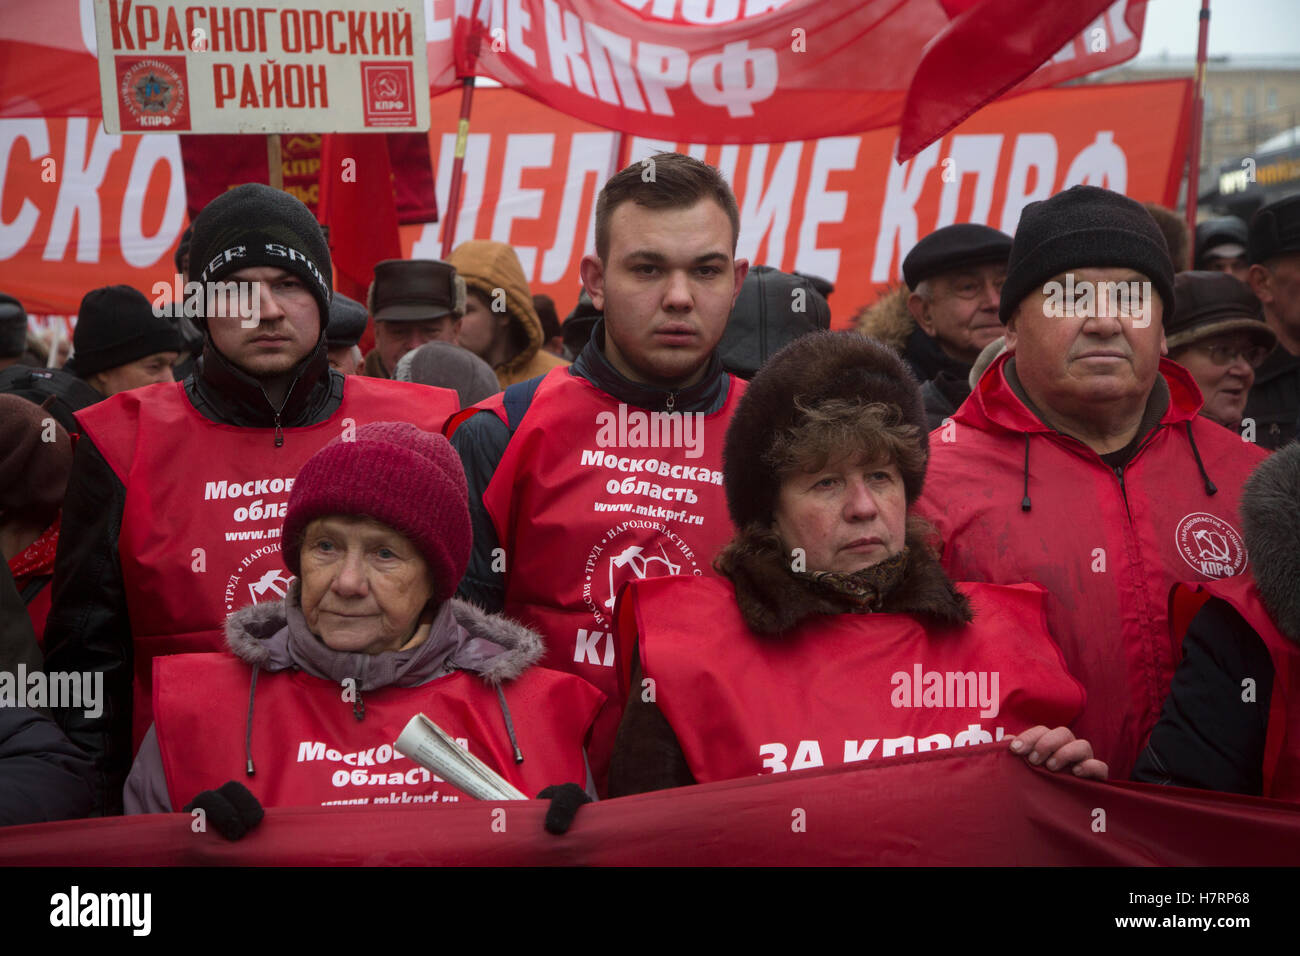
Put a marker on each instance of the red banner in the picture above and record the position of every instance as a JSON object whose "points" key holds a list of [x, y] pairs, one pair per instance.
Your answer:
{"points": [[767, 71], [737, 71], [81, 209], [978, 806], [840, 207]]}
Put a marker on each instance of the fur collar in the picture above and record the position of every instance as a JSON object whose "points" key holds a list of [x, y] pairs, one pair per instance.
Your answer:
{"points": [[774, 601], [887, 319], [1270, 510], [463, 637]]}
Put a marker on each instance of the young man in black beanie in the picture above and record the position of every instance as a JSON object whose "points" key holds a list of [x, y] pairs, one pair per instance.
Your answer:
{"points": [[171, 517], [119, 343], [1079, 461]]}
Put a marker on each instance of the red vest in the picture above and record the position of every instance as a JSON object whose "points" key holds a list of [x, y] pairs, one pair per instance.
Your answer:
{"points": [[582, 503], [309, 749], [1282, 743], [845, 687], [205, 503]]}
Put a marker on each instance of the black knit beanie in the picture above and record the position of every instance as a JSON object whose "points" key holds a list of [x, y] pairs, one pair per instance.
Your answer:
{"points": [[255, 225], [812, 369], [117, 325], [1085, 227]]}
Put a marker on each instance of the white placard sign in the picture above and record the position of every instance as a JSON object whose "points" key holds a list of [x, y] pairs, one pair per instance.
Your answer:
{"points": [[280, 66]]}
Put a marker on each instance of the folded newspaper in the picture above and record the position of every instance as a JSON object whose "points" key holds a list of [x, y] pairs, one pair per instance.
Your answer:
{"points": [[429, 745]]}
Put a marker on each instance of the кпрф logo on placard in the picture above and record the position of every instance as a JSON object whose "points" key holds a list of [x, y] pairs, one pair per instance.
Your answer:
{"points": [[389, 93], [152, 93]]}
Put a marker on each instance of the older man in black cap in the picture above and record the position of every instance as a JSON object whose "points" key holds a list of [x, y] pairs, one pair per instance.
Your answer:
{"points": [[1217, 334], [119, 343], [347, 324], [413, 301], [1221, 247], [172, 513], [1079, 462], [1274, 252], [948, 312]]}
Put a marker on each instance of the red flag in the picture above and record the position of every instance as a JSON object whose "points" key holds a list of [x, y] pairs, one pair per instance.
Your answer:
{"points": [[359, 206], [992, 46]]}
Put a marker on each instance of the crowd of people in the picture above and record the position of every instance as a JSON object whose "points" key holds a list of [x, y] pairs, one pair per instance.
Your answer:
{"points": [[1042, 495]]}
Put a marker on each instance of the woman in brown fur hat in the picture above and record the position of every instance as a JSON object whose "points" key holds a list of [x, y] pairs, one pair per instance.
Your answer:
{"points": [[834, 636]]}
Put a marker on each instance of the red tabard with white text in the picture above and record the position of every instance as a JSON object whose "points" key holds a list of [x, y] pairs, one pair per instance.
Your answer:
{"points": [[309, 749], [205, 503], [579, 511], [1282, 743], [842, 688]]}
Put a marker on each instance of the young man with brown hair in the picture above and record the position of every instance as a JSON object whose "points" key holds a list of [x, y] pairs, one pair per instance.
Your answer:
{"points": [[610, 469]]}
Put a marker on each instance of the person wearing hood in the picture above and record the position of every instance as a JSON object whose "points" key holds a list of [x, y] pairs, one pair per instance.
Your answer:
{"points": [[1080, 462], [377, 533], [947, 312], [500, 326], [833, 620], [1231, 721], [171, 517]]}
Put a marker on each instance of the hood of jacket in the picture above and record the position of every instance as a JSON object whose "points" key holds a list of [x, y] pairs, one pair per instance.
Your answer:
{"points": [[1272, 533], [274, 636], [993, 404], [487, 266]]}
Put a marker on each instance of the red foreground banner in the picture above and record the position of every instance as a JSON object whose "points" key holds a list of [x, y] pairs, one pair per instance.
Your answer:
{"points": [[980, 806]]}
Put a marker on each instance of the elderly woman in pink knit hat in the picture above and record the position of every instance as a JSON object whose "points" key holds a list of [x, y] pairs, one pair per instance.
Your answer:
{"points": [[317, 687]]}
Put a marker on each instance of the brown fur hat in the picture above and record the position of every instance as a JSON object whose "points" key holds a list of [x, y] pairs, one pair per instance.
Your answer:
{"points": [[813, 369]]}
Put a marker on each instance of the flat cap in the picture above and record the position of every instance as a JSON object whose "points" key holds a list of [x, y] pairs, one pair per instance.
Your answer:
{"points": [[954, 247]]}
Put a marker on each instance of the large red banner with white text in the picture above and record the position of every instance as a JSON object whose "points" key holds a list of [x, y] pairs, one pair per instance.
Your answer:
{"points": [[734, 71], [979, 806], [80, 208]]}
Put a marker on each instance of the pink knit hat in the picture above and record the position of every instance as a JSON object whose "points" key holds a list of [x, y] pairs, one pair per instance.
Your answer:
{"points": [[393, 472]]}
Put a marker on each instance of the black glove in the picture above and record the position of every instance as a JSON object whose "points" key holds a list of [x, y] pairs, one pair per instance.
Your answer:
{"points": [[232, 809], [565, 800]]}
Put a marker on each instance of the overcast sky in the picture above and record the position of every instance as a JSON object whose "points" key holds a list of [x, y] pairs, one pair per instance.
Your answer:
{"points": [[1236, 27]]}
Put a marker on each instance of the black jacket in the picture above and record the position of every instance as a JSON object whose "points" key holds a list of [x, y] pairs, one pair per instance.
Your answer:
{"points": [[1274, 400], [481, 441], [88, 627], [43, 776]]}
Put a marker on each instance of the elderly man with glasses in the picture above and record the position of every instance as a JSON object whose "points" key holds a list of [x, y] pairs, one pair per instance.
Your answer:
{"points": [[1218, 335], [947, 313]]}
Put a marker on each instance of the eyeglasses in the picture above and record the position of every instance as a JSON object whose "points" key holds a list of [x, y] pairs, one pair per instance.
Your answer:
{"points": [[1225, 355], [971, 287]]}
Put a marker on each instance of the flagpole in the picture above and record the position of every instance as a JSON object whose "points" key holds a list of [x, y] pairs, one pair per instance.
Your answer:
{"points": [[457, 166], [1198, 107]]}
